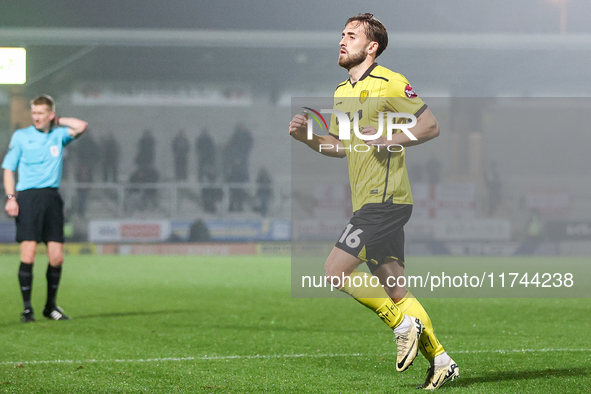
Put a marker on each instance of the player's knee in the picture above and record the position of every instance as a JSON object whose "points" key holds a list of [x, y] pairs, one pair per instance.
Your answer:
{"points": [[28, 254], [56, 260], [333, 275], [28, 257], [329, 270]]}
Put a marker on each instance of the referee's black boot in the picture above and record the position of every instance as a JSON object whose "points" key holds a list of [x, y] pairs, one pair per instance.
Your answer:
{"points": [[55, 313], [28, 316]]}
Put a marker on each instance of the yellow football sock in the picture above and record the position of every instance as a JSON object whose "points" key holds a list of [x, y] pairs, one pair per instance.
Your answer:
{"points": [[428, 343], [375, 298]]}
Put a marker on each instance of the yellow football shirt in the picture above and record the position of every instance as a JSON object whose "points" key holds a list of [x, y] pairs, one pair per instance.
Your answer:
{"points": [[376, 174]]}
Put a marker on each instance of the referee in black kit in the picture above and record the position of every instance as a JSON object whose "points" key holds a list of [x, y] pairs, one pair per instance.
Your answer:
{"points": [[36, 154]]}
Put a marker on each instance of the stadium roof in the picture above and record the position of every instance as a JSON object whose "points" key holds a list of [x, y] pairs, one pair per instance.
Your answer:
{"points": [[470, 64], [282, 39]]}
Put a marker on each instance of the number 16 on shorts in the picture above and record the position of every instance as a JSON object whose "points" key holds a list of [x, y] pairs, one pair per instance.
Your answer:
{"points": [[351, 238]]}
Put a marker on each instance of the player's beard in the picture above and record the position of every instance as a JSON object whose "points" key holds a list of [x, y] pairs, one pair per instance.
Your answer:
{"points": [[353, 60]]}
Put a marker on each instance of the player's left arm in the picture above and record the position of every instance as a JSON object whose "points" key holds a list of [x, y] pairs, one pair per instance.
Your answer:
{"points": [[426, 129], [75, 126]]}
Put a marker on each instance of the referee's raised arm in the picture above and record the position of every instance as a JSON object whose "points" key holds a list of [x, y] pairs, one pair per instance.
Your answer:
{"points": [[75, 126]]}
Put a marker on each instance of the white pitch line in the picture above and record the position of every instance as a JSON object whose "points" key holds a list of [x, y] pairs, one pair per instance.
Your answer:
{"points": [[271, 356], [519, 351], [203, 358]]}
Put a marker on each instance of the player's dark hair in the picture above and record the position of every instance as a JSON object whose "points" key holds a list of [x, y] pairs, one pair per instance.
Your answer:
{"points": [[374, 30], [44, 100]]}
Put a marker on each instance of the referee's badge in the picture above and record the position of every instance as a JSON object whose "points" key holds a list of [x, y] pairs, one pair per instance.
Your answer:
{"points": [[363, 96], [55, 152]]}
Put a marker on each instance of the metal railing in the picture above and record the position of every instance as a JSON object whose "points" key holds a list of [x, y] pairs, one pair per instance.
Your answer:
{"points": [[175, 199]]}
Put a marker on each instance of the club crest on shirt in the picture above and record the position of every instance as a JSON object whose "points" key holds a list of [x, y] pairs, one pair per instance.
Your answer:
{"points": [[363, 96], [409, 92], [54, 150]]}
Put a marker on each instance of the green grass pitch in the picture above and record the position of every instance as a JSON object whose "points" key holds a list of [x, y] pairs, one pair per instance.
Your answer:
{"points": [[202, 324]]}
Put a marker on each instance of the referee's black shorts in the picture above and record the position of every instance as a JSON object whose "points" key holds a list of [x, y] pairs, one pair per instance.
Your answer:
{"points": [[375, 233], [40, 216]]}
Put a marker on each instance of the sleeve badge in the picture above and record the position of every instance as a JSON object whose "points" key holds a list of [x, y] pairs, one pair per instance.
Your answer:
{"points": [[409, 92]]}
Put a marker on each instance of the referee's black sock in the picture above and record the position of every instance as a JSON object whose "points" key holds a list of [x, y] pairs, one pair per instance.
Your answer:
{"points": [[53, 280], [25, 279]]}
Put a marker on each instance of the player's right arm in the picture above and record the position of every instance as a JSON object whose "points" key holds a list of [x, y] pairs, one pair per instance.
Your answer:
{"points": [[10, 164], [328, 145], [11, 206]]}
